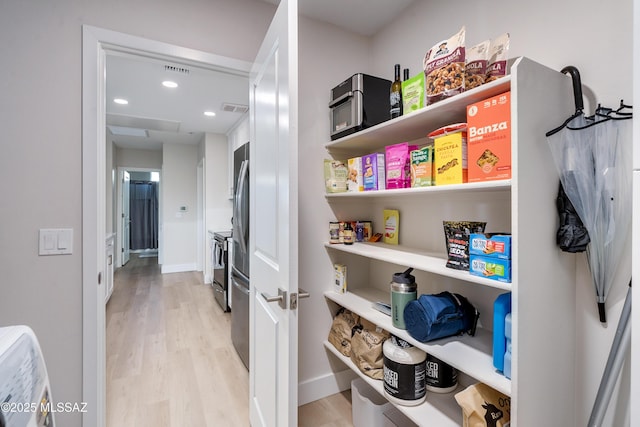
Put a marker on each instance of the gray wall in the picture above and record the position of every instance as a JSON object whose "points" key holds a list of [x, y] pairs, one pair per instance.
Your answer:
{"points": [[41, 123]]}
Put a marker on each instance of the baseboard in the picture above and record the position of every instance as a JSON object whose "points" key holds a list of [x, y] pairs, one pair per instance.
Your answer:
{"points": [[178, 268], [208, 279], [321, 387]]}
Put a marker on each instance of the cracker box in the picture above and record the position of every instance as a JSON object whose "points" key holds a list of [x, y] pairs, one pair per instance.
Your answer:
{"points": [[491, 245], [354, 179], [391, 218], [422, 167], [450, 158], [335, 176], [340, 275], [397, 160], [491, 268], [373, 172], [413, 94], [489, 138]]}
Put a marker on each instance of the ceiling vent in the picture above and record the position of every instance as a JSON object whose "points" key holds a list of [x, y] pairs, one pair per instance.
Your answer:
{"points": [[175, 69], [234, 108]]}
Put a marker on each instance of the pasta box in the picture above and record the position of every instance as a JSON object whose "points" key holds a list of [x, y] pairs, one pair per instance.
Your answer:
{"points": [[491, 268], [493, 245], [489, 138], [450, 154]]}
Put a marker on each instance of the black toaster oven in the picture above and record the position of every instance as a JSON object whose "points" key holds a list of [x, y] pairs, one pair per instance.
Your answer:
{"points": [[359, 102]]}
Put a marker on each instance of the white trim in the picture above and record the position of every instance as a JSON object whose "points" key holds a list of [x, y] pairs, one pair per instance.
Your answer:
{"points": [[179, 268], [326, 385], [96, 42]]}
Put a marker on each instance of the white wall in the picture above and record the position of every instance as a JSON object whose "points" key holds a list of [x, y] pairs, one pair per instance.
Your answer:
{"points": [[218, 209], [322, 66], [135, 158], [587, 34], [46, 292], [179, 189]]}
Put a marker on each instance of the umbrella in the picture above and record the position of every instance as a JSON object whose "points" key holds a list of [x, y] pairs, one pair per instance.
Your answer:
{"points": [[592, 156]]}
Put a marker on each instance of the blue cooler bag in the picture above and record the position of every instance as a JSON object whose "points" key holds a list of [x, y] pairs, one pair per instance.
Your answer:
{"points": [[440, 315]]}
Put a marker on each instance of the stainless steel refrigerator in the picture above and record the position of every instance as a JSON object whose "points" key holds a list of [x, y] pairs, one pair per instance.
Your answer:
{"points": [[240, 260]]}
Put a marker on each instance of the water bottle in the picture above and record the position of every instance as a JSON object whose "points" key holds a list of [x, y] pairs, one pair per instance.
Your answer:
{"points": [[403, 290]]}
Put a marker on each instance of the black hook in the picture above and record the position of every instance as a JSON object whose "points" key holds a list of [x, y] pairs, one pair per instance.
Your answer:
{"points": [[577, 86]]}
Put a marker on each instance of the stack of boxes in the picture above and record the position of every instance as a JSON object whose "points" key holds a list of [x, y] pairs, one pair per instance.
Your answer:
{"points": [[490, 256]]}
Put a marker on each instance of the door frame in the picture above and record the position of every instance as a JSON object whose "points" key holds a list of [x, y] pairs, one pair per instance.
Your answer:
{"points": [[118, 197], [96, 43]]}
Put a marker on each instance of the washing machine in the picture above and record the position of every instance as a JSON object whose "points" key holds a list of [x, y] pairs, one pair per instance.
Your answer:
{"points": [[25, 397]]}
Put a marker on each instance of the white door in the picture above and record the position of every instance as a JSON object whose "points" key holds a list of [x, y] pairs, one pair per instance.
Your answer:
{"points": [[273, 247], [126, 218]]}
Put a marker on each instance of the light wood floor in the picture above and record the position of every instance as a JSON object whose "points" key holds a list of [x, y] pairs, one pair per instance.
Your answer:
{"points": [[170, 360]]}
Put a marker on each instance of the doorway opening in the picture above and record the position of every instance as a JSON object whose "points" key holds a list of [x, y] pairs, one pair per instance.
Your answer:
{"points": [[97, 44]]}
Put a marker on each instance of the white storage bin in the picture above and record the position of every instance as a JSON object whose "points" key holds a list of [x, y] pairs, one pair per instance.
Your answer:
{"points": [[394, 418], [367, 405]]}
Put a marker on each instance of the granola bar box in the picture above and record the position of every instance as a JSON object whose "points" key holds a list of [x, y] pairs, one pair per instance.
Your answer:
{"points": [[492, 245], [450, 154], [489, 138]]}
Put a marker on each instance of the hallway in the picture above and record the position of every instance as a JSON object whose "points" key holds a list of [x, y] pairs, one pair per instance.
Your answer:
{"points": [[170, 360]]}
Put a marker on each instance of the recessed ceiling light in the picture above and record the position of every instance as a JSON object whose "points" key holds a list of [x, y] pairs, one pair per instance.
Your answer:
{"points": [[169, 83], [209, 113], [121, 101]]}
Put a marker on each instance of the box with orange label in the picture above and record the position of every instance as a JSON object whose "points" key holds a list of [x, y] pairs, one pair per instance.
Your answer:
{"points": [[450, 154], [489, 138]]}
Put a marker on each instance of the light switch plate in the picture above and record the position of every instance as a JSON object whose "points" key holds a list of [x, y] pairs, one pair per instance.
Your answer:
{"points": [[55, 241]]}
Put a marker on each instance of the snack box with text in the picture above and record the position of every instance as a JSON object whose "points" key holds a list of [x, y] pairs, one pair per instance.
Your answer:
{"points": [[493, 245], [340, 276], [354, 179], [422, 167], [491, 268], [489, 138], [391, 218], [450, 158], [373, 172]]}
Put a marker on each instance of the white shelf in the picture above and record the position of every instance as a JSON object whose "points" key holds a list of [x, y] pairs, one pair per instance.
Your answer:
{"points": [[437, 410], [471, 355], [418, 124], [420, 260], [500, 185]]}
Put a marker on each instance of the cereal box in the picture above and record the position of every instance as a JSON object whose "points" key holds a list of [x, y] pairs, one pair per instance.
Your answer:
{"points": [[491, 245], [373, 172], [450, 158], [391, 219], [413, 94], [422, 167], [340, 273], [335, 176], [491, 268], [398, 165], [489, 138], [354, 179]]}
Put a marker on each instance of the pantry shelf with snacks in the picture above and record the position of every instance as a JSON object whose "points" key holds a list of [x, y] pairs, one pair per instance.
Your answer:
{"points": [[543, 306]]}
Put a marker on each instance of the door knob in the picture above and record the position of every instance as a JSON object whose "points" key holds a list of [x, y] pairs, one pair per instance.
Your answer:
{"points": [[281, 298], [293, 303]]}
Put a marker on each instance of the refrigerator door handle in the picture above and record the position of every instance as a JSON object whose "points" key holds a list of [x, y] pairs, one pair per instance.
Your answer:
{"points": [[239, 205], [239, 287]]}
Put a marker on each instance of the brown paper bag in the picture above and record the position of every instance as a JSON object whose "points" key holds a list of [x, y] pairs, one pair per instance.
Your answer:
{"points": [[342, 329], [366, 349], [483, 406]]}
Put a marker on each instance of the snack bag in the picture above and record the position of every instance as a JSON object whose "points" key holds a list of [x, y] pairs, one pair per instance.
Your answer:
{"points": [[422, 167], [398, 163], [444, 68], [497, 65], [366, 349], [476, 65], [391, 219], [342, 330], [457, 235], [482, 406]]}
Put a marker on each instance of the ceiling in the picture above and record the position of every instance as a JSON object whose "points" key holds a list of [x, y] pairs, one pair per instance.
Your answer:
{"points": [[165, 115]]}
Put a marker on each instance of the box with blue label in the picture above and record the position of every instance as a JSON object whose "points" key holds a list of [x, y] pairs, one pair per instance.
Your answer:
{"points": [[493, 245], [491, 268]]}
